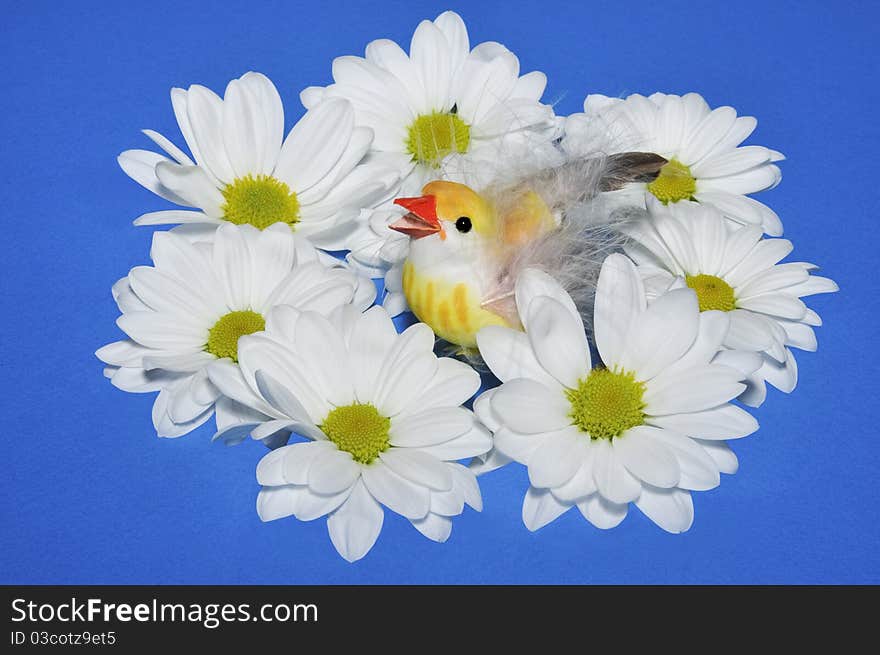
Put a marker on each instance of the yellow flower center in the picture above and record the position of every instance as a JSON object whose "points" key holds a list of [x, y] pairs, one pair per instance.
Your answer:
{"points": [[433, 136], [607, 403], [674, 183], [223, 337], [358, 429], [259, 201], [712, 292]]}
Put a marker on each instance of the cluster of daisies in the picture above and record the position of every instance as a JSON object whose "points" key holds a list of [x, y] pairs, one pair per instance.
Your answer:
{"points": [[246, 315]]}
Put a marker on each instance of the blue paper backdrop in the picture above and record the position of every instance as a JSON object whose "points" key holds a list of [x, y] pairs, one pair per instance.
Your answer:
{"points": [[89, 494]]}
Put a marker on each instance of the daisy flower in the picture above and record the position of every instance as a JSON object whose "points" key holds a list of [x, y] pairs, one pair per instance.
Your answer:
{"points": [[737, 272], [189, 309], [383, 419], [445, 106], [245, 172], [645, 426], [706, 162]]}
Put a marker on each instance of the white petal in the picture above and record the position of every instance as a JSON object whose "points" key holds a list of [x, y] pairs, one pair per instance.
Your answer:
{"points": [[429, 52], [454, 384], [476, 441], [323, 350], [743, 361], [242, 131], [581, 483], [176, 216], [371, 341], [742, 127], [762, 256], [299, 459], [270, 469], [712, 331], [540, 507], [721, 454], [533, 283], [724, 422], [232, 265], [140, 165], [205, 111], [332, 472], [692, 390], [311, 506], [775, 304], [356, 525], [193, 185], [731, 162], [406, 370], [174, 255], [799, 335], [466, 483], [430, 427], [601, 512], [277, 502], [612, 479], [509, 355], [137, 380], [167, 294], [315, 144], [164, 331], [418, 467], [258, 352], [273, 256], [229, 379], [280, 398], [743, 210], [740, 242], [401, 385], [748, 331], [646, 457], [488, 462], [558, 340], [620, 298], [434, 526], [814, 284], [123, 353], [671, 509], [698, 470], [782, 375], [483, 410], [530, 407], [662, 334], [760, 178], [557, 459], [774, 279], [517, 446], [395, 492]]}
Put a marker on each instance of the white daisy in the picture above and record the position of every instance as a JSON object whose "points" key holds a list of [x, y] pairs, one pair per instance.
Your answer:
{"points": [[190, 308], [316, 180], [444, 110], [735, 271], [706, 162], [646, 427], [384, 419]]}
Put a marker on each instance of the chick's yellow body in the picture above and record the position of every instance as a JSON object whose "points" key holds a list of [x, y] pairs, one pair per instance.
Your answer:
{"points": [[451, 275], [451, 307]]}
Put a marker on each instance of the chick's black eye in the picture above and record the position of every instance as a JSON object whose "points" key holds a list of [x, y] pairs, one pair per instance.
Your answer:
{"points": [[463, 224]]}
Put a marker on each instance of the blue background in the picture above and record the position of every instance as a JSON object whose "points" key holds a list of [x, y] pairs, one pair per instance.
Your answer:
{"points": [[89, 494]]}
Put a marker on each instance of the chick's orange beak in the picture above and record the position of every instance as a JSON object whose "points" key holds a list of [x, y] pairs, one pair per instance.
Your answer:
{"points": [[421, 221]]}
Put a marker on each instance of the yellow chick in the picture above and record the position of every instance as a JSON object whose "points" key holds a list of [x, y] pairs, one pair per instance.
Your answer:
{"points": [[459, 241], [467, 248]]}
